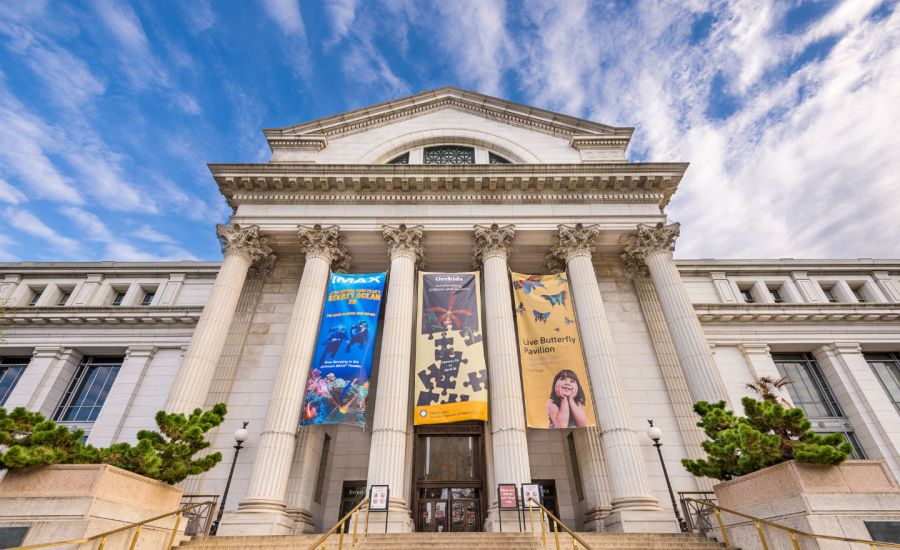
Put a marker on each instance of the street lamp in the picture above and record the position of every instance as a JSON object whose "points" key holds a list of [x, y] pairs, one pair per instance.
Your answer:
{"points": [[240, 435], [655, 434]]}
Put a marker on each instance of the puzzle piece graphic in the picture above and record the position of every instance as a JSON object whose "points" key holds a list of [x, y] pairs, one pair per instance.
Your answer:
{"points": [[427, 398], [471, 337], [477, 380], [430, 376], [443, 349], [453, 398]]}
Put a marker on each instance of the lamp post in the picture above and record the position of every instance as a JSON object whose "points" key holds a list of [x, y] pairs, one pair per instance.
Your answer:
{"points": [[240, 435], [655, 434]]}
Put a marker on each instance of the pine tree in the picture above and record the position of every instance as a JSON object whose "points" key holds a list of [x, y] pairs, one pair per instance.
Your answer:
{"points": [[768, 434], [31, 440]]}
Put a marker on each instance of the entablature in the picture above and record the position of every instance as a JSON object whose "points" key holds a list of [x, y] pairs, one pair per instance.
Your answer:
{"points": [[68, 315]]}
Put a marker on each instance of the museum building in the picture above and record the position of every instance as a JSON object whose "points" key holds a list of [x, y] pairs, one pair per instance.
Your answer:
{"points": [[451, 181]]}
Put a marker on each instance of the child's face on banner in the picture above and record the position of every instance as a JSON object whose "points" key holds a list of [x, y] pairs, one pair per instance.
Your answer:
{"points": [[566, 387]]}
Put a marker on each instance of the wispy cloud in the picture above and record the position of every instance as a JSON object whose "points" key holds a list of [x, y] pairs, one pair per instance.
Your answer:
{"points": [[26, 222], [296, 52]]}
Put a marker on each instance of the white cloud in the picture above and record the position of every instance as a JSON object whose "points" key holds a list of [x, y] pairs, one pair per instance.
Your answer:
{"points": [[200, 14], [66, 77], [295, 50], [342, 13], [10, 194], [26, 222], [149, 234]]}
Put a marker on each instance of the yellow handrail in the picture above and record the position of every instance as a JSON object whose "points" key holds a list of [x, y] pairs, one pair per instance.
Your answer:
{"points": [[137, 526], [793, 533], [557, 524], [342, 524]]}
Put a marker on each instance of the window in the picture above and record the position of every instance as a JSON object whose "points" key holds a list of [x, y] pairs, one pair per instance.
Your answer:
{"points": [[858, 293], [323, 462], [88, 389], [119, 297], [11, 369], [829, 294], [808, 389], [857, 453], [35, 296], [776, 295], [148, 298], [496, 159], [449, 154], [402, 159], [747, 295], [63, 298], [887, 368]]}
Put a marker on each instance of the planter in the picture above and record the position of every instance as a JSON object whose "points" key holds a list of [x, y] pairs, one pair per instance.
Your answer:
{"points": [[825, 500], [70, 501]]}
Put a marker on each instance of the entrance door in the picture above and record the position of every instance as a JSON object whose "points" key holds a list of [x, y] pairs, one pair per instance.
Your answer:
{"points": [[449, 475]]}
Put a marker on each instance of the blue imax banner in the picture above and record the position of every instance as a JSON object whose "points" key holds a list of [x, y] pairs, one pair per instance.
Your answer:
{"points": [[338, 382]]}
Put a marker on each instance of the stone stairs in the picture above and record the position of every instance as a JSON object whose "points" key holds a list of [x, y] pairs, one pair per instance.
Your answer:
{"points": [[461, 541]]}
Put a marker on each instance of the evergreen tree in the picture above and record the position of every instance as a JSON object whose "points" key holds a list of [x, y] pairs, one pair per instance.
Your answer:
{"points": [[31, 440], [768, 434]]}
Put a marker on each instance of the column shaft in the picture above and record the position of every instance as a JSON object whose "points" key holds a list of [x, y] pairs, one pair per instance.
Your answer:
{"points": [[268, 481], [621, 449], [304, 474]]}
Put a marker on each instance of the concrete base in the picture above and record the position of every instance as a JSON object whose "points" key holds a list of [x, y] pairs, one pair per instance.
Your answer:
{"points": [[640, 521], [511, 521], [242, 523], [303, 522], [593, 518], [398, 519]]}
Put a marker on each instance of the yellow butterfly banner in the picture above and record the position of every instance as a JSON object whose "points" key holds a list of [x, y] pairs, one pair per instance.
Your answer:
{"points": [[554, 377]]}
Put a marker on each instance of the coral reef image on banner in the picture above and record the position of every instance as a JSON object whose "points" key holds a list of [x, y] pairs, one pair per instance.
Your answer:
{"points": [[451, 378], [338, 382], [554, 377]]}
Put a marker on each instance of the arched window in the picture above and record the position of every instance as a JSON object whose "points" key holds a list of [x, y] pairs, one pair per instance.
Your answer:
{"points": [[496, 159], [402, 159], [449, 154]]}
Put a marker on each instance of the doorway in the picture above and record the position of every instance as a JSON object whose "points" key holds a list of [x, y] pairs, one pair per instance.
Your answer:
{"points": [[449, 477]]}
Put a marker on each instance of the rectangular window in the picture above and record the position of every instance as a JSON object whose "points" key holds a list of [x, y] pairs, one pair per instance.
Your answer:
{"points": [[88, 389], [323, 463], [829, 294], [857, 453], [119, 298], [858, 293], [35, 296], [11, 369], [887, 369], [576, 468], [808, 388], [63, 298], [148, 298], [776, 295], [747, 295]]}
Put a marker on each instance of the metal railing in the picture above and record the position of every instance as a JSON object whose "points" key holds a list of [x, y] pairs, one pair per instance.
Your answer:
{"points": [[342, 525], [198, 520], [557, 523], [103, 538], [794, 534], [697, 518]]}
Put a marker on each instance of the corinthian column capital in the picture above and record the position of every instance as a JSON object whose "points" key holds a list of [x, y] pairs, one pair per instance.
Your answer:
{"points": [[571, 241], [652, 238], [243, 241], [405, 240], [326, 243], [493, 240]]}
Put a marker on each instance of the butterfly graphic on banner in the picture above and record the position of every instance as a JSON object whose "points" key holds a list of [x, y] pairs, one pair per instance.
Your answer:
{"points": [[555, 299], [528, 284], [540, 316]]}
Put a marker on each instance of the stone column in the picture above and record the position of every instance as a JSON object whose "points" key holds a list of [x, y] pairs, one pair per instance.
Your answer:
{"points": [[242, 246], [304, 474], [387, 454], [634, 508], [262, 512], [508, 438], [653, 246], [589, 447]]}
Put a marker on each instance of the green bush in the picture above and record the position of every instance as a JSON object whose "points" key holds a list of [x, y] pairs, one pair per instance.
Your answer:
{"points": [[166, 455], [767, 434]]}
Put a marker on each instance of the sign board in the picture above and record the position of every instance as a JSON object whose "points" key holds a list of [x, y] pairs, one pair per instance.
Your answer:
{"points": [[508, 496], [530, 491], [379, 495]]}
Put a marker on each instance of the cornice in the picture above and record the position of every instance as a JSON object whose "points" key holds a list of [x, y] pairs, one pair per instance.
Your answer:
{"points": [[285, 182], [787, 266], [136, 269], [532, 118], [68, 315], [830, 313]]}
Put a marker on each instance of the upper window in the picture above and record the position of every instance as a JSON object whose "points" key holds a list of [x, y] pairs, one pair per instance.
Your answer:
{"points": [[402, 159], [35, 296], [11, 369], [497, 159], [858, 293], [64, 297], [747, 295], [776, 295], [118, 298], [148, 298], [88, 389], [449, 154], [887, 367], [829, 294]]}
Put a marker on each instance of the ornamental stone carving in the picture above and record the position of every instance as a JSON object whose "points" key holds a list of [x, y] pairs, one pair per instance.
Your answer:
{"points": [[405, 240], [243, 241], [649, 239], [494, 240], [569, 242], [326, 243]]}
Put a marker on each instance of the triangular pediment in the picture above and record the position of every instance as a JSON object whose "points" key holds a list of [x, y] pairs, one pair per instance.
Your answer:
{"points": [[492, 108]]}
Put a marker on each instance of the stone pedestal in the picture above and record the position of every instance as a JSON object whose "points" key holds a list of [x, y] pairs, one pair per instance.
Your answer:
{"points": [[68, 501], [825, 500]]}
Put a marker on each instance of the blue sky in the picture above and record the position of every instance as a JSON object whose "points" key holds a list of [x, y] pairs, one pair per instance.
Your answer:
{"points": [[787, 110]]}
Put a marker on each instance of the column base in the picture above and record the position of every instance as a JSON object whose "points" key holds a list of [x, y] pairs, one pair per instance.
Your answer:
{"points": [[243, 523], [303, 522], [640, 521], [511, 521], [645, 503], [399, 519], [593, 518]]}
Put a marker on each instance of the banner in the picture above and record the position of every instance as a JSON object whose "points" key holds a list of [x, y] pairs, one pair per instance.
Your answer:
{"points": [[557, 391], [451, 378], [338, 382]]}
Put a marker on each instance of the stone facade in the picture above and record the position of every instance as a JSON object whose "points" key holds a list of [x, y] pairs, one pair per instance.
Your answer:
{"points": [[659, 333]]}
